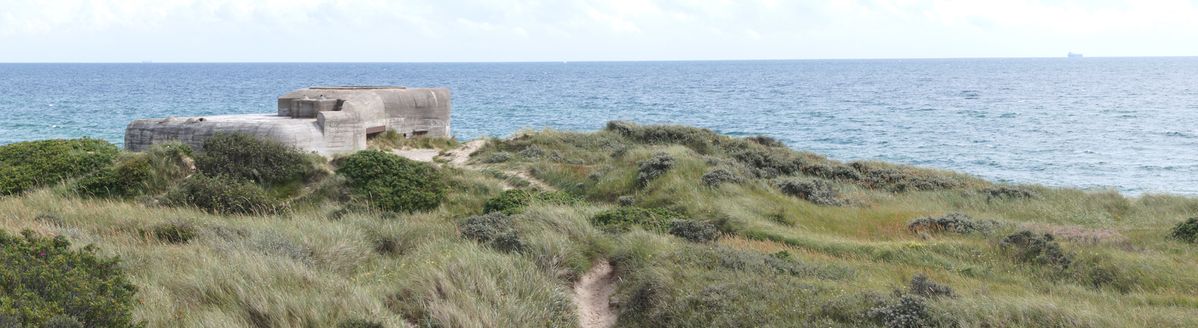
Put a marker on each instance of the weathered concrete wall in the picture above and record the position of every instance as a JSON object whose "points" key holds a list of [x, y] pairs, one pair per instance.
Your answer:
{"points": [[409, 111], [194, 131], [325, 120]]}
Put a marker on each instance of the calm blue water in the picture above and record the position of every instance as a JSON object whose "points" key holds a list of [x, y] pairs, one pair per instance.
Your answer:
{"points": [[1127, 123]]}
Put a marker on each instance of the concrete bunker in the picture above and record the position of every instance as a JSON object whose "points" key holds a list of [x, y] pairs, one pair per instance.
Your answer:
{"points": [[325, 120]]}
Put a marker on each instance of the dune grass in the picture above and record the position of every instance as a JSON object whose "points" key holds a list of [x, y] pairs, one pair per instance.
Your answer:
{"points": [[781, 261]]}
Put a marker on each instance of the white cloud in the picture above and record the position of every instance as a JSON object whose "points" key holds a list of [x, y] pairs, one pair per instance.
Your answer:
{"points": [[412, 30]]}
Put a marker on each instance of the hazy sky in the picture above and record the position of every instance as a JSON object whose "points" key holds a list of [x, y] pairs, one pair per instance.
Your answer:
{"points": [[575, 30]]}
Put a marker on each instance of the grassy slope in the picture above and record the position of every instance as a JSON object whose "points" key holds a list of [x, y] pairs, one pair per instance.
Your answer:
{"points": [[312, 267]]}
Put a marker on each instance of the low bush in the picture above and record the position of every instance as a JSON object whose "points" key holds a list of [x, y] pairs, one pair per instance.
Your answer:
{"points": [[393, 183], [694, 231], [532, 151], [922, 286], [767, 141], [45, 283], [652, 168], [1006, 192], [698, 139], [765, 162], [514, 201], [492, 229], [359, 323], [262, 161], [908, 312], [719, 176], [954, 223], [222, 195], [1186, 231], [837, 172], [727, 258], [27, 165], [174, 233], [63, 321], [135, 174], [816, 191], [1041, 249], [125, 179], [625, 218], [895, 178]]}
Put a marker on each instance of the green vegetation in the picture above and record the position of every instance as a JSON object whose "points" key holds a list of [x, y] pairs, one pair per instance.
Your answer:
{"points": [[493, 229], [813, 190], [393, 183], [137, 174], [223, 195], [245, 157], [27, 165], [625, 218], [1186, 231], [43, 282], [516, 200], [732, 232], [699, 232]]}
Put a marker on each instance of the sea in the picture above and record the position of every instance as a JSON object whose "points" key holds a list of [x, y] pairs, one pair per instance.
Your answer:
{"points": [[1129, 124]]}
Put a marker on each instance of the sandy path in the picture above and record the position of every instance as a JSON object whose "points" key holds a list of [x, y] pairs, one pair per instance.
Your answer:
{"points": [[459, 156], [592, 295]]}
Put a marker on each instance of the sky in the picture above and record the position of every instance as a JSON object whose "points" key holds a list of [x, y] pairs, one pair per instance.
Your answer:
{"points": [[586, 30]]}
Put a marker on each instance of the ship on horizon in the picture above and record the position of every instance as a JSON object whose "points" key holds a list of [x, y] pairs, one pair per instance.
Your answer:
{"points": [[1073, 55]]}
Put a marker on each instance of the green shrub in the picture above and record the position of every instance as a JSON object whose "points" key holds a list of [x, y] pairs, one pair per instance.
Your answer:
{"points": [[766, 162], [43, 282], [1006, 192], [653, 168], [135, 174], [27, 165], [767, 141], [514, 201], [624, 218], [1038, 249], [393, 183], [125, 179], [955, 223], [719, 176], [63, 321], [532, 151], [222, 195], [837, 172], [695, 231], [359, 323], [909, 312], [816, 191], [174, 233], [922, 286], [262, 161], [698, 139], [492, 229], [894, 178], [1186, 231]]}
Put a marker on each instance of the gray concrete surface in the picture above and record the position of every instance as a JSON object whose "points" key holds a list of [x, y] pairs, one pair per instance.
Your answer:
{"points": [[325, 120]]}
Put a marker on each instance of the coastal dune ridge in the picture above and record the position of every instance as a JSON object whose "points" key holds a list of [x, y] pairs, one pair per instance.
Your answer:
{"points": [[631, 225]]}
